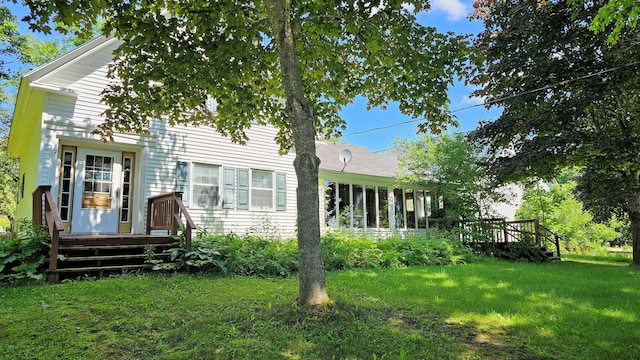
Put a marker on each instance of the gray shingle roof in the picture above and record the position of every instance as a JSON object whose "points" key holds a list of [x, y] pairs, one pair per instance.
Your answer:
{"points": [[363, 161]]}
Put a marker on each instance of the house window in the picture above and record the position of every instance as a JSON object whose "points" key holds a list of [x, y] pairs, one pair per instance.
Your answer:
{"points": [[206, 185], [262, 189]]}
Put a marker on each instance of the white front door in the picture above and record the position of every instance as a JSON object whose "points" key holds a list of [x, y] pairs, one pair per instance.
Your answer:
{"points": [[97, 191]]}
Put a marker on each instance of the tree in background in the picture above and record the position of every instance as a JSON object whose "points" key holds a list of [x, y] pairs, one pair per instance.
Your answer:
{"points": [[613, 17], [560, 211], [449, 164], [19, 53], [569, 97], [291, 64]]}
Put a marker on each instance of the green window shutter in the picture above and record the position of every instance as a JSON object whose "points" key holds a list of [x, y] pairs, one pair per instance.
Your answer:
{"points": [[182, 180], [243, 189], [281, 191], [229, 189]]}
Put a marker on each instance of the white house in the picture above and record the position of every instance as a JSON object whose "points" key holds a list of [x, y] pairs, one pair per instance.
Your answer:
{"points": [[102, 187]]}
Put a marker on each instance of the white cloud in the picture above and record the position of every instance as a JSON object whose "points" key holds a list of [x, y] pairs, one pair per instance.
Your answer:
{"points": [[454, 9], [472, 101]]}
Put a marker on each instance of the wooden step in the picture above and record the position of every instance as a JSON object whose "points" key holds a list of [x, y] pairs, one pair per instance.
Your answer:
{"points": [[83, 254], [110, 247], [112, 257], [100, 268], [115, 240]]}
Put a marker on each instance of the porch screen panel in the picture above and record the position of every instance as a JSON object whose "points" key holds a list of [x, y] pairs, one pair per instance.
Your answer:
{"points": [[421, 216], [344, 204], [383, 207], [372, 211], [97, 184], [410, 208], [358, 206], [330, 203], [398, 205]]}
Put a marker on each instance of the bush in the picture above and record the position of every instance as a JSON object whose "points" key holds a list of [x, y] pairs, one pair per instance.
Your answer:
{"points": [[22, 256], [232, 254], [254, 256]]}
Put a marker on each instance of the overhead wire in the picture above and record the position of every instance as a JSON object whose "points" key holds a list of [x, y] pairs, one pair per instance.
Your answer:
{"points": [[493, 101]]}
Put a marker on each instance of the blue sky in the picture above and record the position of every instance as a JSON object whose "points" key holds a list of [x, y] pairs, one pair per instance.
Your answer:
{"points": [[446, 15]]}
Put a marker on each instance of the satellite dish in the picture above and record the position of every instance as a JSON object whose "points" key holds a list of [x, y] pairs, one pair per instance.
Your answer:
{"points": [[345, 157]]}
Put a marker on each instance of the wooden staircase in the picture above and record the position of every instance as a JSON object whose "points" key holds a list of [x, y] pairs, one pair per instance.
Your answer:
{"points": [[526, 238], [73, 255], [103, 254]]}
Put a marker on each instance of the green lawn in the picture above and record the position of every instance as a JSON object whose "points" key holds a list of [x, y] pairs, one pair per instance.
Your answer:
{"points": [[580, 308]]}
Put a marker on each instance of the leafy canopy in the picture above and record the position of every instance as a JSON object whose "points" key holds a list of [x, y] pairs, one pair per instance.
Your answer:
{"points": [[570, 98], [449, 164], [613, 17], [176, 55]]}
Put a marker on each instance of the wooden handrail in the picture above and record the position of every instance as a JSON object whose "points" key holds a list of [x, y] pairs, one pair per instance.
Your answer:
{"points": [[502, 231], [50, 218], [165, 212]]}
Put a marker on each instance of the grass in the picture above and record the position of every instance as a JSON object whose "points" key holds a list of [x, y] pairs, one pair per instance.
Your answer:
{"points": [[580, 308]]}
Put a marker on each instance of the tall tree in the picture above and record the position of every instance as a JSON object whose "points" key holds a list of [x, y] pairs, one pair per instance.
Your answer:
{"points": [[290, 63], [569, 98], [450, 164], [613, 17], [19, 52]]}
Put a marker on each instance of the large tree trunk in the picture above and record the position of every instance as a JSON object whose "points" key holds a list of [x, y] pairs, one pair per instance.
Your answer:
{"points": [[312, 288], [633, 210]]}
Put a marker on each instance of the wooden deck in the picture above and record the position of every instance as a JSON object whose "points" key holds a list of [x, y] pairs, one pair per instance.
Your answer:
{"points": [[501, 236]]}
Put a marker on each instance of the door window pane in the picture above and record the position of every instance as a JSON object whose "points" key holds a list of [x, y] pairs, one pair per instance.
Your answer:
{"points": [[97, 185]]}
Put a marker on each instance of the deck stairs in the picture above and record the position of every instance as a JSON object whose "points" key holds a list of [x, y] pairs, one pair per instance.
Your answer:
{"points": [[100, 255], [527, 239]]}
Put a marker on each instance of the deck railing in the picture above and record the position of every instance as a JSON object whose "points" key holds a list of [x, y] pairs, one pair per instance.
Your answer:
{"points": [[165, 212], [495, 231], [45, 213]]}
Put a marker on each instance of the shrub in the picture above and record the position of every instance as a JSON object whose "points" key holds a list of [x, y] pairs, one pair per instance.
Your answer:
{"points": [[22, 256], [254, 256]]}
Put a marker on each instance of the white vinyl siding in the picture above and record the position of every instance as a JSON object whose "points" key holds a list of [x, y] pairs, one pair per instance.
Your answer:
{"points": [[167, 157]]}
